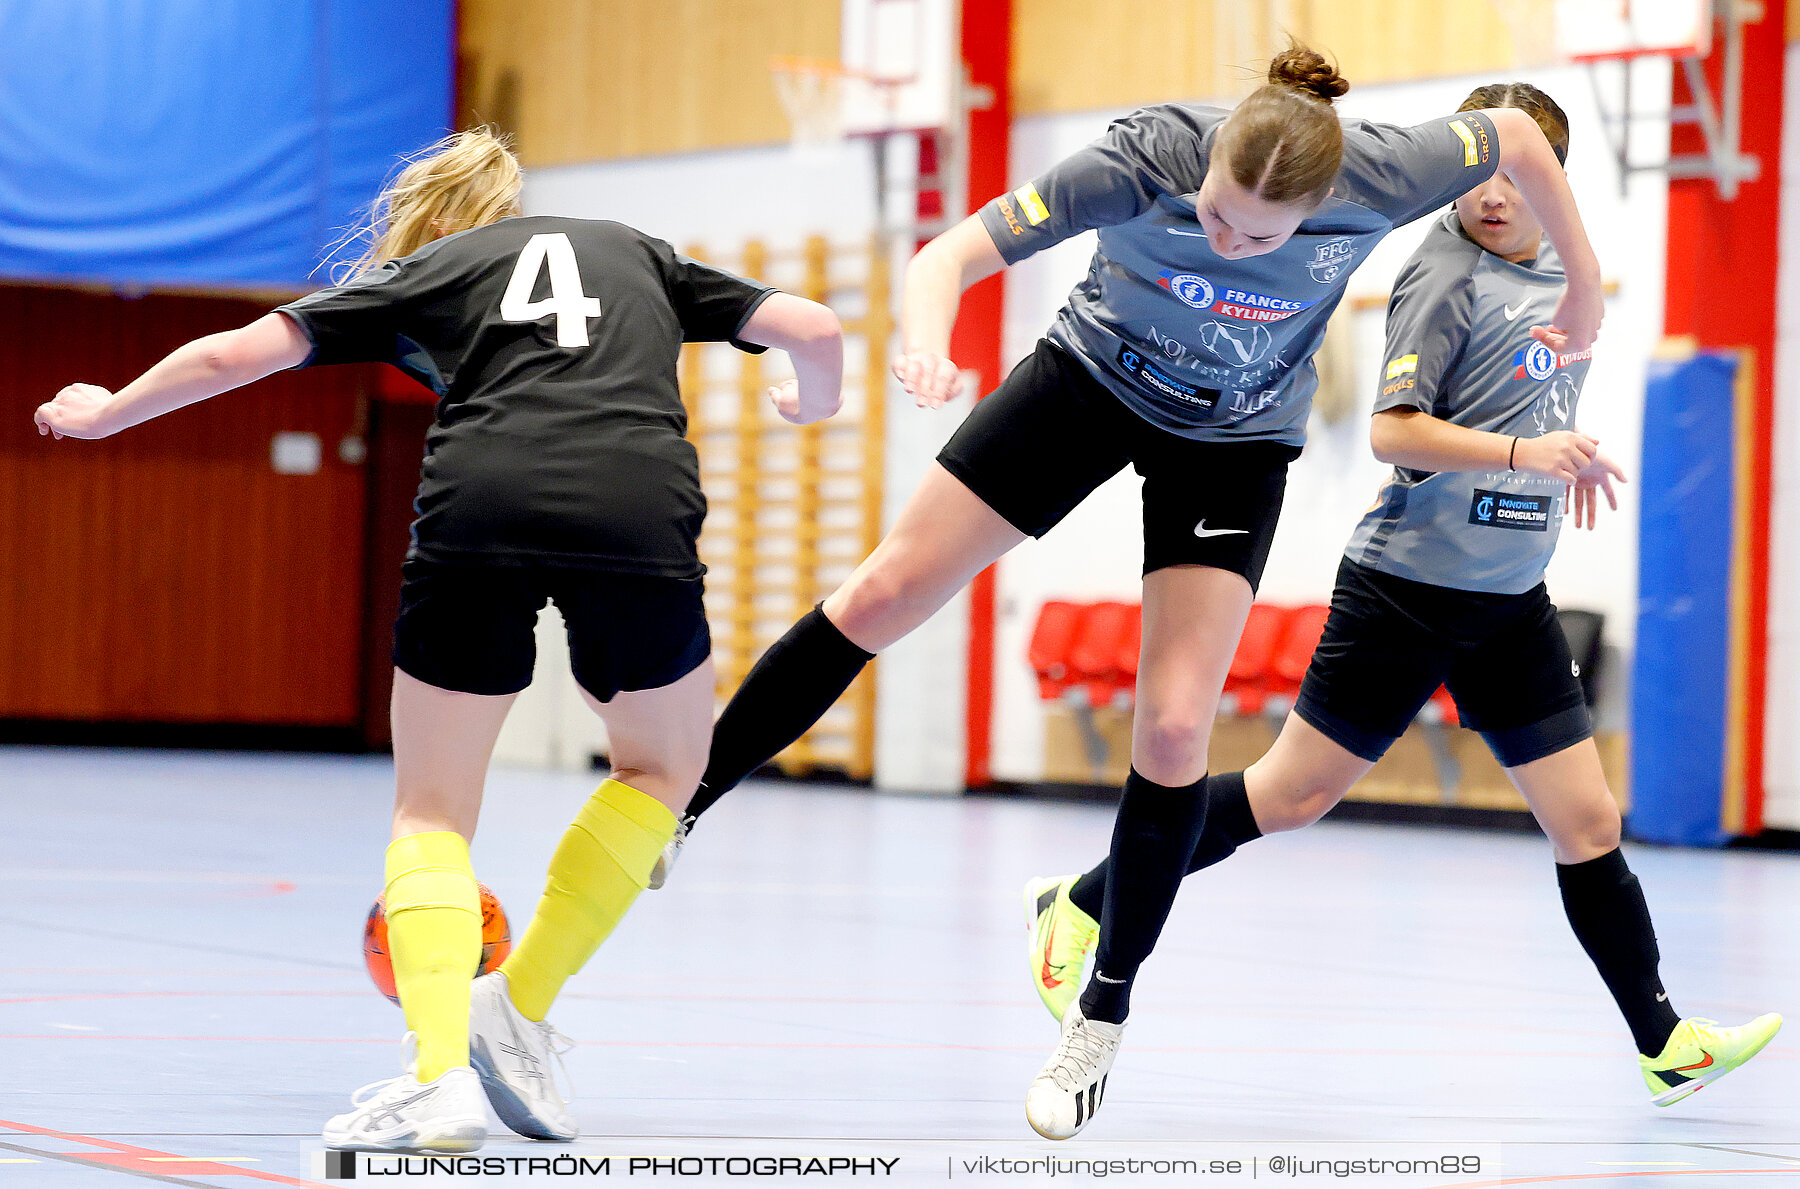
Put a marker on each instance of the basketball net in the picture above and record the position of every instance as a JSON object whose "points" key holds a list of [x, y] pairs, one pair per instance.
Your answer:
{"points": [[812, 95]]}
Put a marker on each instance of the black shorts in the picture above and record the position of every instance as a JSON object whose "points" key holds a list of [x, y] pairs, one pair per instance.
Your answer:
{"points": [[473, 628], [1390, 642], [1051, 433]]}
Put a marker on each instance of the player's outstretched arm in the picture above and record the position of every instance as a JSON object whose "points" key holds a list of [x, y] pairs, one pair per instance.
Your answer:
{"points": [[1526, 158], [935, 280], [814, 340], [205, 367], [1418, 441]]}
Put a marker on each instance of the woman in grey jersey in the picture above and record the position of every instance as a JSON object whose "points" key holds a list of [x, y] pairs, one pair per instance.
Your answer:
{"points": [[556, 469], [1442, 583], [1226, 238]]}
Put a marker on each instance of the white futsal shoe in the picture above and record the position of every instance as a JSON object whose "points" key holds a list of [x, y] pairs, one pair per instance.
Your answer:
{"points": [[513, 1056], [671, 851], [404, 1114], [1068, 1090]]}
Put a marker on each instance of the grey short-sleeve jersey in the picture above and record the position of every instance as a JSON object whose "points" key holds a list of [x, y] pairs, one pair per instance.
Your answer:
{"points": [[1209, 348], [1459, 347]]}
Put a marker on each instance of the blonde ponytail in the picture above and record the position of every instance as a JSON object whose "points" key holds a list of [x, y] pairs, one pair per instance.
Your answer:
{"points": [[466, 180]]}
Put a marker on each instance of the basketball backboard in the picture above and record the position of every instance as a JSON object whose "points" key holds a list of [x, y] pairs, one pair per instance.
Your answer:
{"points": [[1591, 30]]}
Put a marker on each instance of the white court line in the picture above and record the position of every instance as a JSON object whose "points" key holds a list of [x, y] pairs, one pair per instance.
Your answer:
{"points": [[200, 1159]]}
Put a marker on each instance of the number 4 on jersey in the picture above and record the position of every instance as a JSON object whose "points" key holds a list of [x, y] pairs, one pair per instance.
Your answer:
{"points": [[571, 306]]}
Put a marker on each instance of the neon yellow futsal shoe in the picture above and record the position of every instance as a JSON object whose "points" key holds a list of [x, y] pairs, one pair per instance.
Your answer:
{"points": [[1699, 1051], [1062, 937]]}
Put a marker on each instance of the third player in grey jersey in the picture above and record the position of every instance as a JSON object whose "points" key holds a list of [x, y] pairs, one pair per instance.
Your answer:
{"points": [[1459, 348]]}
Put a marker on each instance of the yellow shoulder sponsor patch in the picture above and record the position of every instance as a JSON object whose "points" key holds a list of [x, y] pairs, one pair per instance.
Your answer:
{"points": [[1471, 155], [1402, 365], [1033, 206]]}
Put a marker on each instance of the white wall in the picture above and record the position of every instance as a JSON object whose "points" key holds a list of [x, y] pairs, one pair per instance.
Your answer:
{"points": [[1097, 552], [1781, 767], [777, 194]]}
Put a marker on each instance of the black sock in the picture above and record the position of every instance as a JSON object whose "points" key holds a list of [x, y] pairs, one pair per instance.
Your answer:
{"points": [[1229, 824], [1607, 911], [789, 689], [1153, 841]]}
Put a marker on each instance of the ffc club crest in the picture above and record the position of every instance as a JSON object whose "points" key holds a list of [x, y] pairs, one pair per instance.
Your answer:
{"points": [[1192, 290], [1540, 361], [1331, 259]]}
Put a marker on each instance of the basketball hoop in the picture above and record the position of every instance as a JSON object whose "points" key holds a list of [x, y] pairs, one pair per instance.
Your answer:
{"points": [[826, 101], [812, 95]]}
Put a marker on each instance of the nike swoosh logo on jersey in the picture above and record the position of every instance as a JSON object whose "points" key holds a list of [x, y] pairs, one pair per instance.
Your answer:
{"points": [[1179, 231], [1512, 312], [1200, 530]]}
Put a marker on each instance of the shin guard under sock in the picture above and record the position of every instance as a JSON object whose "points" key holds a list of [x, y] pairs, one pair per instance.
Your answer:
{"points": [[1153, 841], [1605, 906], [1229, 824], [434, 942], [789, 689], [599, 867]]}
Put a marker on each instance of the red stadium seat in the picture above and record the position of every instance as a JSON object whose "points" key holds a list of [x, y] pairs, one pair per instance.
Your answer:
{"points": [[1441, 708], [1245, 688], [1304, 627], [1099, 641], [1131, 644], [1051, 639]]}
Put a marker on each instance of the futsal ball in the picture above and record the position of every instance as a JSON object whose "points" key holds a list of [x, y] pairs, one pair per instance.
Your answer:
{"points": [[496, 942]]}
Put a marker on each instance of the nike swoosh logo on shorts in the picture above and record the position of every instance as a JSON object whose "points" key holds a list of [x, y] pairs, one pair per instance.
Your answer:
{"points": [[1200, 530], [1512, 312]]}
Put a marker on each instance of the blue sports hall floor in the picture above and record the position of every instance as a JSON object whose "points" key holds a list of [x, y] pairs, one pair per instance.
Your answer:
{"points": [[832, 988]]}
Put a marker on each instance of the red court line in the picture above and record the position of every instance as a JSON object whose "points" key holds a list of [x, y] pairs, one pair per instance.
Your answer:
{"points": [[204, 1168]]}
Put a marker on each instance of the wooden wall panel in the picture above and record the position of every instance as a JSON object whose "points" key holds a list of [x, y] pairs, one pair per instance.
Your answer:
{"points": [[585, 80], [169, 574], [1074, 55]]}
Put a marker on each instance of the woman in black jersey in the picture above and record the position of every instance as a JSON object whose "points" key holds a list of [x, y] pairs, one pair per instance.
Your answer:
{"points": [[556, 470], [1185, 352], [1443, 583]]}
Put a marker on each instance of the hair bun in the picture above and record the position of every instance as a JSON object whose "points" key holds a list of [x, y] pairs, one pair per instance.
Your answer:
{"points": [[1307, 70]]}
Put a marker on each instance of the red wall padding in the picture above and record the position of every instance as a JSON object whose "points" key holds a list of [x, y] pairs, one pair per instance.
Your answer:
{"points": [[169, 574]]}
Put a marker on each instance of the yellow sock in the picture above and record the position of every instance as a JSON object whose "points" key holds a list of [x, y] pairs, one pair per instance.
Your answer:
{"points": [[434, 937], [599, 867]]}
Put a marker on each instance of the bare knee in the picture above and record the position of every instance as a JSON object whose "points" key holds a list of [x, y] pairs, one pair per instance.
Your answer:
{"points": [[673, 785], [1169, 748], [1291, 803], [879, 605], [1588, 835]]}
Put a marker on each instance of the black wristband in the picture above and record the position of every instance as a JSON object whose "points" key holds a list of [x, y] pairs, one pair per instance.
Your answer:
{"points": [[1512, 450]]}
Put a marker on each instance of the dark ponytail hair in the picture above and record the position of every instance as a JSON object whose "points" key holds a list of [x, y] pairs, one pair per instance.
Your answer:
{"points": [[1284, 143], [1533, 102]]}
